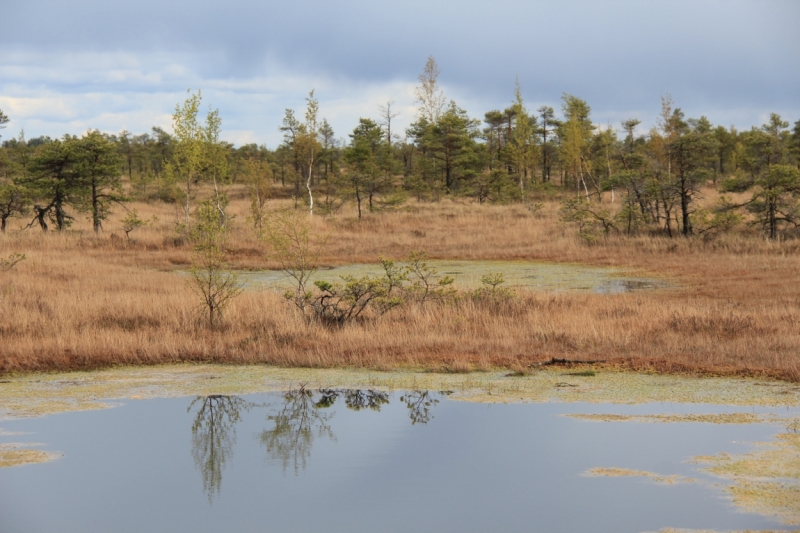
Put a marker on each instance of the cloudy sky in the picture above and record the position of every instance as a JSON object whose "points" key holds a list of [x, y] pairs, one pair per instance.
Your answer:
{"points": [[70, 65]]}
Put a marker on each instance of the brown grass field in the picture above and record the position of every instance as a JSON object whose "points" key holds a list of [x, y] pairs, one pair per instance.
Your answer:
{"points": [[81, 301]]}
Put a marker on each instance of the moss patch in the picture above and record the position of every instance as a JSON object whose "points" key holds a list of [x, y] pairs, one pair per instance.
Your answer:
{"points": [[40, 394], [765, 481], [722, 418], [626, 472], [18, 454]]}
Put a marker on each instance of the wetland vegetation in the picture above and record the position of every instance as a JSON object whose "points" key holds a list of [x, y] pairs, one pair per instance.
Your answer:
{"points": [[516, 216]]}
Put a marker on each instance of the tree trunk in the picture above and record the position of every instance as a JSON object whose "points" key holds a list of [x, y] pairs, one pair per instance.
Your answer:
{"points": [[40, 214], [668, 216], [773, 223], [60, 218], [308, 183], [687, 223], [96, 224], [186, 206]]}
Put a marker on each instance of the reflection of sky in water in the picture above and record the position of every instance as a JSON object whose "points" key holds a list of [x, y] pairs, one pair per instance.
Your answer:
{"points": [[357, 460], [536, 276]]}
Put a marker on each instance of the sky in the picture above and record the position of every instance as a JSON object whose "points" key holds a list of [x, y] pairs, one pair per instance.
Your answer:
{"points": [[67, 66]]}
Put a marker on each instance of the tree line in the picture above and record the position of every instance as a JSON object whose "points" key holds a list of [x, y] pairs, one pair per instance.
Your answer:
{"points": [[610, 180]]}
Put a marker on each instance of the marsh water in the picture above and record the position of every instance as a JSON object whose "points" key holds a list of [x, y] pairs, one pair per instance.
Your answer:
{"points": [[467, 274], [355, 460]]}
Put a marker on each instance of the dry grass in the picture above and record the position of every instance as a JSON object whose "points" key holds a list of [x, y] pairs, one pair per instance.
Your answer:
{"points": [[81, 301]]}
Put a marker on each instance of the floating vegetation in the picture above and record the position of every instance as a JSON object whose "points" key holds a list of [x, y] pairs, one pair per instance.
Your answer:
{"points": [[765, 481], [583, 373], [626, 472], [713, 418], [532, 275], [18, 454], [41, 394]]}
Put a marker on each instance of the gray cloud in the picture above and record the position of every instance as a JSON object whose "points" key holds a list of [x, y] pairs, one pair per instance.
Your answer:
{"points": [[729, 59]]}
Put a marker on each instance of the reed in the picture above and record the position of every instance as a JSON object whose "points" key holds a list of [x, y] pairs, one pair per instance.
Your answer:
{"points": [[82, 301]]}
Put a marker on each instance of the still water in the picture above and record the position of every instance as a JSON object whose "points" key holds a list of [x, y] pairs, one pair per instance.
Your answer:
{"points": [[467, 274], [367, 461]]}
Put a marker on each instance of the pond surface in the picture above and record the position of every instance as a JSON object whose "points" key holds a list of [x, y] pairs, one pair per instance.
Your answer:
{"points": [[356, 460], [467, 274]]}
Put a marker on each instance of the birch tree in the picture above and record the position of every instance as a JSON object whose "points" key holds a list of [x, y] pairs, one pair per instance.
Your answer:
{"points": [[522, 142], [309, 147], [215, 162], [188, 156], [257, 175], [576, 136], [429, 96], [215, 284]]}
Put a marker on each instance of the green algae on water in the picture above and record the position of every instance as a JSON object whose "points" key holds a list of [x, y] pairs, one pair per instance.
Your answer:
{"points": [[40, 394]]}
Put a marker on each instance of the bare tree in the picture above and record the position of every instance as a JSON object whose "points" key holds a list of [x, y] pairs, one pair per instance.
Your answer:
{"points": [[386, 119], [430, 97]]}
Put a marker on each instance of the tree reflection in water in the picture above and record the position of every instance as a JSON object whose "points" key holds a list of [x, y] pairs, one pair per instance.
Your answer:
{"points": [[301, 417], [213, 436], [419, 404], [354, 399], [357, 399], [297, 423]]}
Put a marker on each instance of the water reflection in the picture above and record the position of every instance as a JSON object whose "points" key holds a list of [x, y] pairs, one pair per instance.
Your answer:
{"points": [[419, 405], [213, 436], [297, 419], [464, 466], [368, 399]]}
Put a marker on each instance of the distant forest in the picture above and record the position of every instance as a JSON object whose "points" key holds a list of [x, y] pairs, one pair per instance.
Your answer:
{"points": [[608, 180]]}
